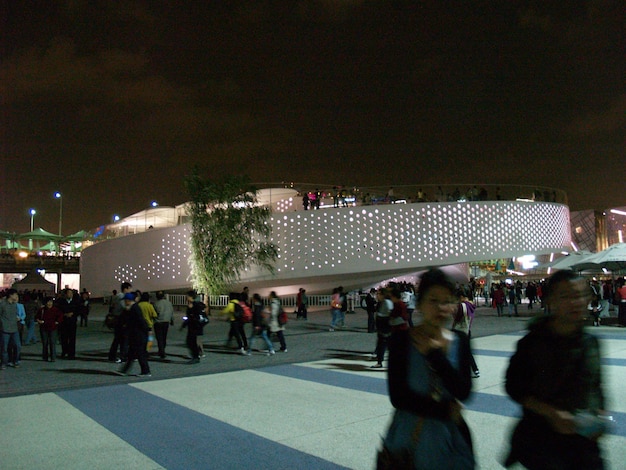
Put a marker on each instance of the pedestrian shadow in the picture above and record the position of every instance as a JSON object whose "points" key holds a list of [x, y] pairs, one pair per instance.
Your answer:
{"points": [[87, 372], [224, 350], [353, 367]]}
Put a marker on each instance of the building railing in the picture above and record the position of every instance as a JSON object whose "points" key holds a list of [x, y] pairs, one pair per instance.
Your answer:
{"points": [[288, 301], [353, 196]]}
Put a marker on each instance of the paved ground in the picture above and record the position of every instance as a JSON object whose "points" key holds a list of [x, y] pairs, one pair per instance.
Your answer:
{"points": [[318, 406]]}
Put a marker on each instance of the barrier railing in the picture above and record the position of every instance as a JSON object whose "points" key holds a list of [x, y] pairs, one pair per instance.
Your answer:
{"points": [[288, 301]]}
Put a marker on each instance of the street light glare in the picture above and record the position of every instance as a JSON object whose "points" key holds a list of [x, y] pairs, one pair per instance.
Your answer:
{"points": [[57, 195], [33, 212]]}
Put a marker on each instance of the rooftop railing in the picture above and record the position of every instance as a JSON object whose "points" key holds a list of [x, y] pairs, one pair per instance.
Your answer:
{"points": [[323, 196]]}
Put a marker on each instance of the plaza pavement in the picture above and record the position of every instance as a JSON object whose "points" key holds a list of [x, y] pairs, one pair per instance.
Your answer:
{"points": [[318, 406]]}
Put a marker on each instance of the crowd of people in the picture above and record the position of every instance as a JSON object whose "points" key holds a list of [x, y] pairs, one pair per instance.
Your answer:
{"points": [[58, 320], [554, 374]]}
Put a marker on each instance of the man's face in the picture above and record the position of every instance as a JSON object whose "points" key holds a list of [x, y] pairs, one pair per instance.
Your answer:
{"points": [[13, 298], [69, 294], [568, 303]]}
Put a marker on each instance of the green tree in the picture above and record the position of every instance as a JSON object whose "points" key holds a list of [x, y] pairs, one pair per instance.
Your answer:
{"points": [[230, 231]]}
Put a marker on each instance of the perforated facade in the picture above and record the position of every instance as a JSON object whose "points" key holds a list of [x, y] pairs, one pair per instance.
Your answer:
{"points": [[345, 245]]}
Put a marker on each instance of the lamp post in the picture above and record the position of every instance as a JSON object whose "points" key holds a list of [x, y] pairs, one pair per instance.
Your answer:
{"points": [[32, 213], [58, 196]]}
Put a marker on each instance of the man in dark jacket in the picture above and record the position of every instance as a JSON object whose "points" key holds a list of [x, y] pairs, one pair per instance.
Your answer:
{"points": [[555, 375], [136, 331], [194, 321], [69, 305]]}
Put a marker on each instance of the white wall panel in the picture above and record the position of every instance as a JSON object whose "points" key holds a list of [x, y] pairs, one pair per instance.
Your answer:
{"points": [[336, 243]]}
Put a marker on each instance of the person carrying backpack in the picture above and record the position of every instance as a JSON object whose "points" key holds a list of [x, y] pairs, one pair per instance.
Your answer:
{"points": [[194, 321], [235, 313]]}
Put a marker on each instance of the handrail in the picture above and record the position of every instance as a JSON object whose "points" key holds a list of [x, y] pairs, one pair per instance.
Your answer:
{"points": [[334, 196]]}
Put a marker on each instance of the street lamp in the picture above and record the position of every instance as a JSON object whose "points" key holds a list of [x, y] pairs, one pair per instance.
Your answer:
{"points": [[32, 213], [154, 204], [116, 218], [58, 196]]}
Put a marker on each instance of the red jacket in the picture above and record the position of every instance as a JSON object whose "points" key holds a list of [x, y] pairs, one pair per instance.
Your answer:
{"points": [[399, 317], [499, 296], [51, 317]]}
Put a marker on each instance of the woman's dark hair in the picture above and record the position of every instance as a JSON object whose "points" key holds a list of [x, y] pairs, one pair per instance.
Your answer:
{"points": [[145, 297], [431, 278], [48, 299], [563, 275], [257, 297]]}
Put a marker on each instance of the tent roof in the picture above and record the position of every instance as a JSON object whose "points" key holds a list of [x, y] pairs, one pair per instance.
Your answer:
{"points": [[34, 280], [78, 236], [38, 234]]}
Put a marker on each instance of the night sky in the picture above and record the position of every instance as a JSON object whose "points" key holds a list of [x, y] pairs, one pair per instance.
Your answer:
{"points": [[112, 103]]}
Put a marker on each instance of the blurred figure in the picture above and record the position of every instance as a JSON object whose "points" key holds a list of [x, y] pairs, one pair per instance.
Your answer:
{"points": [[164, 319], [84, 307], [274, 325], [194, 322], [429, 376], [259, 325], [136, 331], [555, 375]]}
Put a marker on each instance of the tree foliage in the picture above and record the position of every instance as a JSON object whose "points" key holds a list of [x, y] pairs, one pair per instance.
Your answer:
{"points": [[230, 231]]}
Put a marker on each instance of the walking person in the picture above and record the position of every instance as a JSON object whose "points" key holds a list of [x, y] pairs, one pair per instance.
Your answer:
{"points": [[149, 314], [120, 342], [302, 303], [274, 324], [370, 308], [335, 309], [164, 319], [512, 301], [383, 328], [233, 310], [462, 321], [259, 325], [84, 308], [194, 322], [620, 298], [555, 375], [49, 318], [429, 377], [31, 306], [9, 334], [499, 298], [409, 299], [136, 331]]}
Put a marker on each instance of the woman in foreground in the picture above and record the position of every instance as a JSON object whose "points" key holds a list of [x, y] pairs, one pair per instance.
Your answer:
{"points": [[429, 376]]}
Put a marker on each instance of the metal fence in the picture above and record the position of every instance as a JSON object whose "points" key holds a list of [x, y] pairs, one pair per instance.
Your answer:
{"points": [[288, 301]]}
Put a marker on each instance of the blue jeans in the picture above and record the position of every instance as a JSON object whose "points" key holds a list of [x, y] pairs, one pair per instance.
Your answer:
{"points": [[336, 317], [48, 344], [6, 339], [30, 332], [262, 334], [500, 309]]}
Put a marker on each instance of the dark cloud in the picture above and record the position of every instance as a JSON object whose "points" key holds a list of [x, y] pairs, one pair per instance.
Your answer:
{"points": [[369, 93]]}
